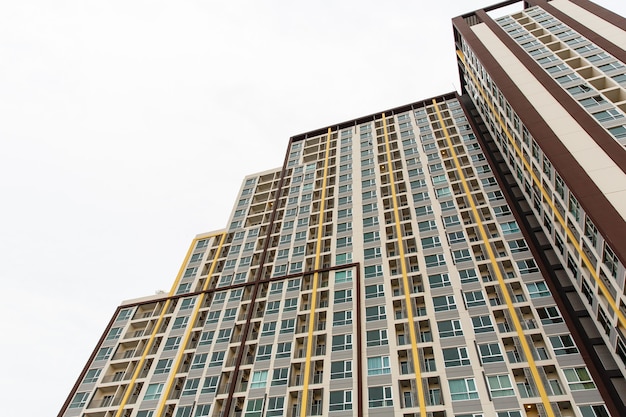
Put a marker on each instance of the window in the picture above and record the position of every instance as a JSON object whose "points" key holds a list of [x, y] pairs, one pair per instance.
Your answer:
{"points": [[344, 213], [563, 345], [451, 220], [293, 284], [439, 280], [538, 289], [468, 275], [449, 328], [502, 211], [342, 318], [610, 260], [79, 400], [264, 353], [275, 406], [276, 288], [427, 225], [482, 324], [607, 115], [456, 237], [229, 314], [172, 343], [280, 376], [435, 260], [461, 255], [374, 291], [124, 314], [343, 276], [578, 379], [431, 242], [344, 227], [378, 365], [191, 386], [618, 132], [474, 298], [344, 200], [509, 227], [341, 369], [273, 307], [199, 360], [340, 400], [377, 337], [153, 392], [180, 322], [223, 335], [379, 397], [254, 408], [114, 333], [370, 221], [210, 385], [463, 389], [217, 359], [343, 296], [490, 352], [375, 313], [594, 411], [259, 379], [104, 353], [500, 386], [283, 350], [290, 304], [288, 326], [342, 342], [206, 338], [518, 245], [91, 376], [444, 303], [549, 315], [369, 237], [423, 210], [495, 195], [456, 356], [269, 328], [373, 271]]}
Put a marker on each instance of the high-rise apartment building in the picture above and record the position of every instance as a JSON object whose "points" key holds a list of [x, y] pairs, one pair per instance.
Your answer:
{"points": [[458, 256]]}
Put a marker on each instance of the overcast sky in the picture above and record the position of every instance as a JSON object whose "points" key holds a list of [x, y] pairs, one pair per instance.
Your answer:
{"points": [[127, 126]]}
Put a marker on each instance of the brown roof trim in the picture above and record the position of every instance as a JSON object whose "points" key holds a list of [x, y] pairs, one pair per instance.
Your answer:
{"points": [[608, 221], [372, 117]]}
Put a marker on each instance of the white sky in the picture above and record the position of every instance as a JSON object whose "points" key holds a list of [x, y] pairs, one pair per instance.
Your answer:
{"points": [[127, 126]]}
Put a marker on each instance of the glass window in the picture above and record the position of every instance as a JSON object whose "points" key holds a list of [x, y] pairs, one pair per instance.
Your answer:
{"points": [[579, 379], [259, 379], [463, 389], [379, 397], [378, 365], [563, 345], [340, 400], [341, 369], [449, 328], [456, 356], [500, 386], [153, 392]]}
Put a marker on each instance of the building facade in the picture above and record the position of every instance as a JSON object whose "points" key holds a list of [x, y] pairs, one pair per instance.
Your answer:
{"points": [[443, 258]]}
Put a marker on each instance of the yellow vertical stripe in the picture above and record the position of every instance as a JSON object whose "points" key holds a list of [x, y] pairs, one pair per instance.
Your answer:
{"points": [[496, 268], [192, 321], [318, 251], [150, 343], [548, 199], [405, 278]]}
